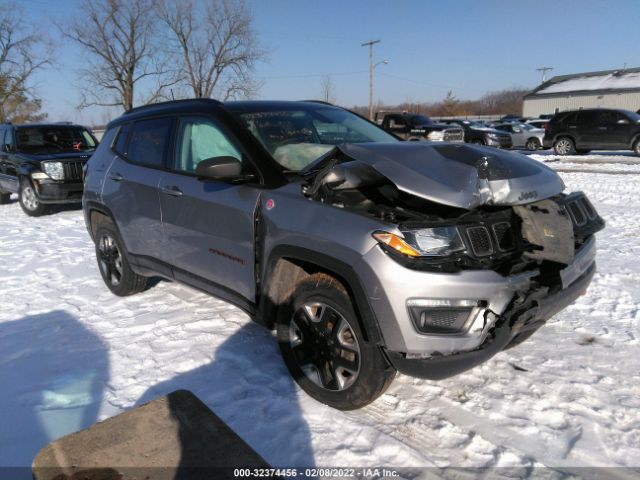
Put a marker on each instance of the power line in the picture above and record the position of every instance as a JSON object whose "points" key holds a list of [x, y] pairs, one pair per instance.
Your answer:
{"points": [[370, 44], [544, 71]]}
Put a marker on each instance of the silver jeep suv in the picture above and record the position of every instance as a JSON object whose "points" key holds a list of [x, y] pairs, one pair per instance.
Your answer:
{"points": [[367, 254]]}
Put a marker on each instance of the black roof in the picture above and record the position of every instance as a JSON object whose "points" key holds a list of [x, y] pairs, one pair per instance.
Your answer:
{"points": [[563, 78], [42, 124], [206, 103]]}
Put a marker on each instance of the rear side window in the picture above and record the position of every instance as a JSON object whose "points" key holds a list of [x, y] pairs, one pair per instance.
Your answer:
{"points": [[148, 141], [120, 145]]}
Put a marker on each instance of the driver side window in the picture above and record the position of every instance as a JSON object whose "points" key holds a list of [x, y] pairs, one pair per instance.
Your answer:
{"points": [[199, 138]]}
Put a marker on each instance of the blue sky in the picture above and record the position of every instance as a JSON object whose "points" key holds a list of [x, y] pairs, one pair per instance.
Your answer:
{"points": [[433, 46]]}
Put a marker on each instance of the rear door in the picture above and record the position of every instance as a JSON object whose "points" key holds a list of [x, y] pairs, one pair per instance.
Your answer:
{"points": [[209, 225], [131, 185]]}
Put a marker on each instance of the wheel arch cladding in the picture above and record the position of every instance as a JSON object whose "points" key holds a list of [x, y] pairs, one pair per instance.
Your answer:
{"points": [[288, 265]]}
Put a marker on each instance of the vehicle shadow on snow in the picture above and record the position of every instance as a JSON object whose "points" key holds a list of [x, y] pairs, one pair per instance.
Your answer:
{"points": [[248, 386], [52, 374]]}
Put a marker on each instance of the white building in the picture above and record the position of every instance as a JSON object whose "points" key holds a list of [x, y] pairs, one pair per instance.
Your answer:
{"points": [[607, 89]]}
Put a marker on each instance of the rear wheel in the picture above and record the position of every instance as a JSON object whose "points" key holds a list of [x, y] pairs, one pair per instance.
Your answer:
{"points": [[113, 264], [324, 348], [532, 144], [564, 146], [29, 201]]}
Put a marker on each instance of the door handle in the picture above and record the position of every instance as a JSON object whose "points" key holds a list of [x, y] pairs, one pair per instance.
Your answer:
{"points": [[602, 128], [116, 177], [172, 190]]}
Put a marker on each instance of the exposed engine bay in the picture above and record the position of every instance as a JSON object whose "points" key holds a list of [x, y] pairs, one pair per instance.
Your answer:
{"points": [[508, 209]]}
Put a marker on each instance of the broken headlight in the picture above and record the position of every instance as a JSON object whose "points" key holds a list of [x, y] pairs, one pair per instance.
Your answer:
{"points": [[54, 169], [424, 242]]}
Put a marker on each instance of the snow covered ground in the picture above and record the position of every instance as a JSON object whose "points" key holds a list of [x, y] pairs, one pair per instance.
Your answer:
{"points": [[71, 354]]}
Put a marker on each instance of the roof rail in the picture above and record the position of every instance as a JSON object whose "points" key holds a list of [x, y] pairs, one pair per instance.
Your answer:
{"points": [[321, 102], [172, 102]]}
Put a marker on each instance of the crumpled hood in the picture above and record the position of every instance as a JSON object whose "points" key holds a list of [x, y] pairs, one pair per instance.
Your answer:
{"points": [[463, 176]]}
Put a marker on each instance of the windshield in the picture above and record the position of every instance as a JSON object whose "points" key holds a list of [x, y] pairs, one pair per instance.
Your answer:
{"points": [[54, 139], [297, 137], [633, 116], [421, 120], [473, 124]]}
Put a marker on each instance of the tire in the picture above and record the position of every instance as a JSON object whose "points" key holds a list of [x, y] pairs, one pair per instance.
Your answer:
{"points": [[532, 144], [29, 201], [564, 146], [113, 264], [636, 147], [5, 198], [324, 349]]}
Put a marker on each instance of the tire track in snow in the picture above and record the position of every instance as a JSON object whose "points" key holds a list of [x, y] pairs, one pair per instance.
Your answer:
{"points": [[502, 437]]}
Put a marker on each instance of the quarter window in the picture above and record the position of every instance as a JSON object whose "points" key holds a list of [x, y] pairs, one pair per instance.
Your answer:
{"points": [[148, 141], [200, 139], [120, 146]]}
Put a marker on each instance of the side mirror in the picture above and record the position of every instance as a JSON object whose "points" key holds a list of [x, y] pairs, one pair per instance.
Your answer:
{"points": [[223, 169]]}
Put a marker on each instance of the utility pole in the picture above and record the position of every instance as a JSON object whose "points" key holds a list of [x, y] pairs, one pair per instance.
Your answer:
{"points": [[370, 44], [544, 71]]}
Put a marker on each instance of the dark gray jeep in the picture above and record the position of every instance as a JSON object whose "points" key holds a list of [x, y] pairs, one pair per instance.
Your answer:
{"points": [[368, 255]]}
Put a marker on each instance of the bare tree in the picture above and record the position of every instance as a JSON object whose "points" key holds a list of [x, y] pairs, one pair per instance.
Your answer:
{"points": [[18, 62], [214, 44], [327, 90], [120, 40]]}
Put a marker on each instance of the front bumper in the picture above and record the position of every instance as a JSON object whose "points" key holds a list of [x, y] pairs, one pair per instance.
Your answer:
{"points": [[500, 142], [49, 191], [391, 287], [509, 329]]}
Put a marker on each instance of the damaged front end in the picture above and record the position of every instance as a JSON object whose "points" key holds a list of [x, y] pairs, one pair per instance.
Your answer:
{"points": [[453, 208]]}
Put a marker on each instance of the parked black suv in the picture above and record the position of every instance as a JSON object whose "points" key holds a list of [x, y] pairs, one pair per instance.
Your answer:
{"points": [[480, 134], [411, 126], [581, 131], [43, 164]]}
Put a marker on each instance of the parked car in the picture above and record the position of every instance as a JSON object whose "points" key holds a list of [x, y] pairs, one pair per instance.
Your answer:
{"points": [[480, 134], [523, 135], [581, 131], [411, 126], [538, 122], [43, 164], [367, 254]]}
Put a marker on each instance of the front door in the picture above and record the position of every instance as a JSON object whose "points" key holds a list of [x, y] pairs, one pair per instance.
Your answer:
{"points": [[208, 225]]}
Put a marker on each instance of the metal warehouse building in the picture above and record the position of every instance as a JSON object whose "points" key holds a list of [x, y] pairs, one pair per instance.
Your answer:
{"points": [[607, 89]]}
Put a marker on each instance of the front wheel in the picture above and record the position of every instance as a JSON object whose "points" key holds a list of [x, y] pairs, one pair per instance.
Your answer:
{"points": [[564, 146], [636, 147], [532, 144], [324, 348], [29, 200]]}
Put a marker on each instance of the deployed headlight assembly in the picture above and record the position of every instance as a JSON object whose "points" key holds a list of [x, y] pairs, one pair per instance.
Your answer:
{"points": [[424, 242], [54, 169]]}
